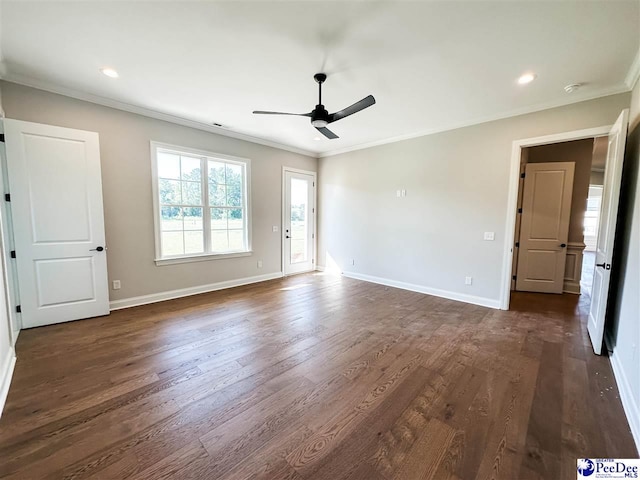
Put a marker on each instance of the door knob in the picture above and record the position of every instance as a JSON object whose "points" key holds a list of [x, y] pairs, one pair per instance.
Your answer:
{"points": [[606, 266], [97, 249], [563, 245], [287, 236]]}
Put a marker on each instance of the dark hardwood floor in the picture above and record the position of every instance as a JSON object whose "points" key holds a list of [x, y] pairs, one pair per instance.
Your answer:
{"points": [[313, 377]]}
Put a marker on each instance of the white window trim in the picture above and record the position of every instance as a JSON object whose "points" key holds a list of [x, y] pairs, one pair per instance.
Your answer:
{"points": [[199, 257]]}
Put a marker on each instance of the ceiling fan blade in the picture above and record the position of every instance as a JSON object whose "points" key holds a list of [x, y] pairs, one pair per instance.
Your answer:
{"points": [[262, 112], [355, 108], [327, 133]]}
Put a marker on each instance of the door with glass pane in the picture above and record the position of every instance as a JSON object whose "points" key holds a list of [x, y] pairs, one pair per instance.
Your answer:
{"points": [[299, 222]]}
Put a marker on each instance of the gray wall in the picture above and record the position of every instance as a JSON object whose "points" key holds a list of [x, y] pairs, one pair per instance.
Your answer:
{"points": [[456, 183], [126, 183], [623, 331]]}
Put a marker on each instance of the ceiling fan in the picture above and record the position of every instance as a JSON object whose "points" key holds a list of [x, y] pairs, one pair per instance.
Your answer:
{"points": [[320, 117]]}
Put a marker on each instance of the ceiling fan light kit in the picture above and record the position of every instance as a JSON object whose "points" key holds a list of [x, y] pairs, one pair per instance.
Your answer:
{"points": [[320, 117]]}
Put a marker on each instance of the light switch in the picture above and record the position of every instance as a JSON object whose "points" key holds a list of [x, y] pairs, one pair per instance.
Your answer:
{"points": [[275, 228], [398, 194], [489, 235]]}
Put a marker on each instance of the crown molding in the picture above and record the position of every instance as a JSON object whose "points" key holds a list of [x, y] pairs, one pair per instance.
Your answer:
{"points": [[634, 72], [107, 102], [604, 92], [146, 112]]}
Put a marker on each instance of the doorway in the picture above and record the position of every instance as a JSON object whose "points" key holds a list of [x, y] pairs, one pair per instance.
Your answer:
{"points": [[615, 136], [298, 221]]}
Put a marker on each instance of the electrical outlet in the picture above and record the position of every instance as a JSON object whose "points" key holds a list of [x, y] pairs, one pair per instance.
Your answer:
{"points": [[275, 228], [398, 193], [116, 285], [489, 235], [468, 280], [259, 263]]}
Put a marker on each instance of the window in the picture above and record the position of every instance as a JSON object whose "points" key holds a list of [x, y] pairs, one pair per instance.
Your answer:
{"points": [[201, 204]]}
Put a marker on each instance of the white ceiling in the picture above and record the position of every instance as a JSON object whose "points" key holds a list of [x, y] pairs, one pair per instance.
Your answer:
{"points": [[430, 65]]}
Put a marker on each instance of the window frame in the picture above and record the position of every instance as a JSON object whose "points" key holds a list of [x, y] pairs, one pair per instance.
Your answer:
{"points": [[205, 156]]}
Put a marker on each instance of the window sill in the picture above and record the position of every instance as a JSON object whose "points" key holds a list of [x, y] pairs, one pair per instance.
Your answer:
{"points": [[201, 258]]}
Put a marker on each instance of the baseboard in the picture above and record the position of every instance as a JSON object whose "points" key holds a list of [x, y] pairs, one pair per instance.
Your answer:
{"points": [[460, 297], [571, 287], [320, 268], [629, 403], [5, 377], [185, 292]]}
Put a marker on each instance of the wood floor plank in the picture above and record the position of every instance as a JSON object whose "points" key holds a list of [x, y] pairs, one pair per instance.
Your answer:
{"points": [[313, 377]]}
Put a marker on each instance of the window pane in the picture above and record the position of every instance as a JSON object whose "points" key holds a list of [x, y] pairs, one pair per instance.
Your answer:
{"points": [[192, 218], [171, 218], [236, 240], [234, 185], [190, 169], [172, 243], [191, 193], [194, 242], [170, 192], [216, 172], [168, 165], [219, 240], [217, 194], [234, 194], [299, 212], [235, 218], [218, 218]]}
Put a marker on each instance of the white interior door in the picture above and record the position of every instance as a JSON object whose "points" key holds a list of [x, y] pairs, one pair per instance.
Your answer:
{"points": [[607, 230], [544, 231], [299, 222], [56, 199]]}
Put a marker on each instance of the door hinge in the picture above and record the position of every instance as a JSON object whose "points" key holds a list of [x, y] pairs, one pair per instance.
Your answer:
{"points": [[13, 254], [313, 235], [522, 175], [313, 210], [518, 244], [7, 197], [312, 260], [519, 210], [514, 277], [18, 309], [2, 137], [314, 184]]}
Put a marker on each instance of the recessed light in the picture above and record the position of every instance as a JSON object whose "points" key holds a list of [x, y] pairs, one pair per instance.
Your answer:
{"points": [[317, 139], [109, 72], [527, 78]]}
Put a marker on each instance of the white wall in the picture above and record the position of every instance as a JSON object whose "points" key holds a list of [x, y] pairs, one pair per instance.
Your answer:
{"points": [[126, 180], [456, 184], [623, 332]]}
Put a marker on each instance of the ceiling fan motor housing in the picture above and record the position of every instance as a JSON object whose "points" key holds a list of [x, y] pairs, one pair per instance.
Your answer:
{"points": [[319, 116]]}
